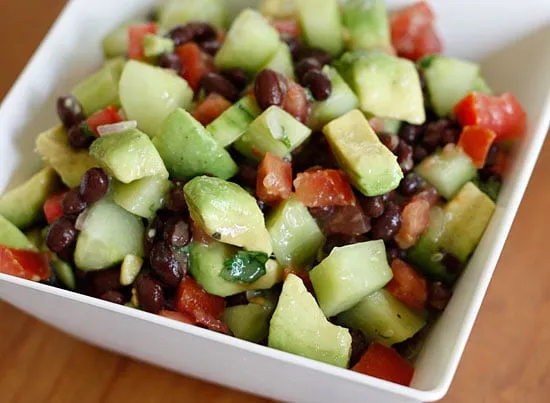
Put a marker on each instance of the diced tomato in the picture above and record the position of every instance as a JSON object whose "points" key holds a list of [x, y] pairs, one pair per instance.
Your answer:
{"points": [[288, 27], [385, 363], [29, 265], [200, 235], [412, 32], [206, 309], [195, 64], [179, 316], [106, 116], [502, 164], [295, 102], [209, 109], [136, 34], [415, 219], [502, 114], [274, 181], [323, 188], [347, 220], [304, 275], [407, 285], [476, 142], [52, 207]]}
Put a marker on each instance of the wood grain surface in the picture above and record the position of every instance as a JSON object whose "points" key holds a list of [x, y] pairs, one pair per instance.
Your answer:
{"points": [[507, 358]]}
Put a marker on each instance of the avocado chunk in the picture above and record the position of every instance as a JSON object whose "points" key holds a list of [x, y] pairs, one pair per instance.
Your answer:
{"points": [[128, 156], [233, 123], [101, 88], [349, 274], [367, 24], [370, 165], [383, 318], [228, 213], [207, 261], [248, 322], [387, 86], [23, 204], [321, 24], [250, 43], [53, 146], [295, 235], [149, 94], [189, 150], [12, 237], [130, 268], [274, 131], [142, 197], [298, 326], [180, 12], [109, 234]]}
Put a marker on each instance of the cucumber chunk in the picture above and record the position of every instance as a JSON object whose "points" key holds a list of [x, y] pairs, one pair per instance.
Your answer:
{"points": [[447, 170], [248, 322], [295, 235], [383, 318], [22, 206], [481, 86], [142, 197], [149, 94], [448, 81], [100, 89], [234, 122], [341, 101], [12, 237], [367, 24], [274, 131], [154, 45], [349, 274], [181, 12], [189, 150], [116, 42], [130, 268], [281, 61], [128, 156], [109, 234], [250, 43], [321, 24], [64, 272]]}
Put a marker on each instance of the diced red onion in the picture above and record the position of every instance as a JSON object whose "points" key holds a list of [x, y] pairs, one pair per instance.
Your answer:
{"points": [[107, 130], [80, 220]]}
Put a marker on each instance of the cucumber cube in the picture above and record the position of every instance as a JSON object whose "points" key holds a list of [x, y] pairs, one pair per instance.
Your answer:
{"points": [[181, 12], [12, 237], [383, 318], [128, 156], [367, 24], [321, 24], [295, 235], [64, 272], [149, 94], [154, 45], [274, 131], [349, 274], [248, 322], [142, 197], [281, 61], [250, 43]]}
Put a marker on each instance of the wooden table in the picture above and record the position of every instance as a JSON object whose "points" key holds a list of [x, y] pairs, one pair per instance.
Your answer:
{"points": [[506, 360]]}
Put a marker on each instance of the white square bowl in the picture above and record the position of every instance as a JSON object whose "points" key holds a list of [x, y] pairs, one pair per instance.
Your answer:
{"points": [[515, 34]]}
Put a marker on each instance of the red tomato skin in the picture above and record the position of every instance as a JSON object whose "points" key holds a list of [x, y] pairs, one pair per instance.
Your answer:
{"points": [[385, 363], [476, 142], [426, 43], [502, 114], [408, 25], [295, 101], [106, 116], [195, 63], [274, 180], [324, 188], [304, 276], [136, 34], [415, 219], [288, 27], [209, 109], [25, 264], [408, 286], [179, 316], [53, 208]]}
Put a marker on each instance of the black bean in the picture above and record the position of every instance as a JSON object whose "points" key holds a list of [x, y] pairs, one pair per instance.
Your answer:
{"points": [[78, 138], [72, 203], [389, 197], [358, 346], [405, 156], [177, 232], [170, 61], [167, 264], [194, 31], [264, 207], [113, 296], [153, 233], [237, 77], [394, 252], [316, 152], [391, 142], [411, 133], [322, 56], [411, 185], [149, 294], [450, 135], [322, 212], [305, 65], [247, 176], [388, 224], [214, 82], [94, 185], [269, 89], [419, 153], [438, 295], [451, 263], [67, 255], [432, 136], [176, 199], [103, 280], [336, 240], [211, 47], [486, 174], [373, 206], [70, 111], [294, 45], [61, 235], [318, 83], [492, 155], [237, 299]]}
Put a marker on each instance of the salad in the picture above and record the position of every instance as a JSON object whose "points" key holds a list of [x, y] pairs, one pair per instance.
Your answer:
{"points": [[313, 182]]}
